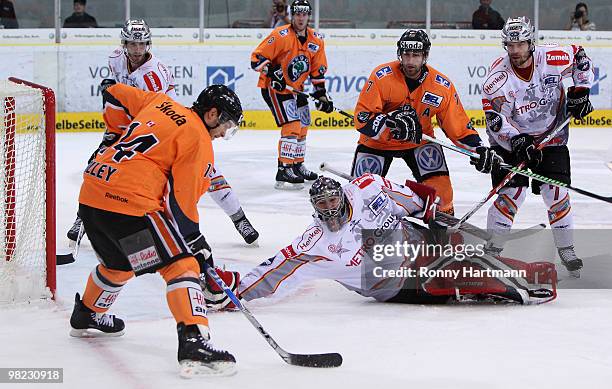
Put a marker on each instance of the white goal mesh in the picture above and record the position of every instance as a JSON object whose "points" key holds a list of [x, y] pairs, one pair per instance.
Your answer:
{"points": [[23, 198]]}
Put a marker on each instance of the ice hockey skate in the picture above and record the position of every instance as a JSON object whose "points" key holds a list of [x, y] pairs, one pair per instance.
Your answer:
{"points": [[86, 323], [286, 179], [197, 355]]}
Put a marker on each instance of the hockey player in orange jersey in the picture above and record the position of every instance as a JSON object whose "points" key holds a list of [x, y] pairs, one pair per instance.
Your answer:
{"points": [[138, 203], [287, 57], [396, 107]]}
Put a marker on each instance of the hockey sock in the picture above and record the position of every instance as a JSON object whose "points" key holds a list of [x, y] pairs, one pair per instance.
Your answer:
{"points": [[184, 293], [103, 287], [559, 214]]}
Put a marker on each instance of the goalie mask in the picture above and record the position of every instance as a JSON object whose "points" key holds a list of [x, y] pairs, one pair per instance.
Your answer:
{"points": [[329, 202], [228, 106]]}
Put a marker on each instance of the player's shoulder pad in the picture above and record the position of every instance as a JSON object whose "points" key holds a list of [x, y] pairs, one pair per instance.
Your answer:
{"points": [[281, 31], [497, 63], [439, 78], [385, 69], [317, 35], [116, 53], [554, 55]]}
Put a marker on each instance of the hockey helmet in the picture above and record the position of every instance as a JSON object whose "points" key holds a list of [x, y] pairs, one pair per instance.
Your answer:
{"points": [[329, 202], [136, 30], [518, 29], [226, 102], [301, 7], [413, 40]]}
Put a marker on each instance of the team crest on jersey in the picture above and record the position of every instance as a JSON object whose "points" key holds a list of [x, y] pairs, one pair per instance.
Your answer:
{"points": [[298, 66], [380, 73], [431, 99], [442, 81], [378, 203], [322, 69], [313, 47], [283, 32]]}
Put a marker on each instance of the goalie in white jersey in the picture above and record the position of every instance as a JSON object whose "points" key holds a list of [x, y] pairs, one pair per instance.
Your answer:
{"points": [[133, 64], [351, 220], [523, 100]]}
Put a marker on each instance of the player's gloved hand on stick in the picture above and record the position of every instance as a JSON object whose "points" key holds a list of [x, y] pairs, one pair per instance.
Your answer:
{"points": [[277, 81], [107, 82], [578, 103], [488, 160], [524, 149], [324, 103], [199, 247], [404, 125]]}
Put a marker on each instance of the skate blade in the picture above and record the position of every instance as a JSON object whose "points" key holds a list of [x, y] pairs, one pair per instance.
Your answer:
{"points": [[574, 273], [281, 185], [191, 369], [254, 243], [93, 333]]}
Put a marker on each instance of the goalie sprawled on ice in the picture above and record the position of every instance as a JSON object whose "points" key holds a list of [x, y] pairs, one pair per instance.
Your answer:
{"points": [[361, 237]]}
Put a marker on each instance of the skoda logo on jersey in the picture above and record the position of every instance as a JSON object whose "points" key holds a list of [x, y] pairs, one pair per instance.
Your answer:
{"points": [[298, 66], [429, 158], [368, 164], [224, 75]]}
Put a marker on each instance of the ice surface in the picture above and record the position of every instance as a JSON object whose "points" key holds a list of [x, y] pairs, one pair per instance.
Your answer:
{"points": [[564, 344]]}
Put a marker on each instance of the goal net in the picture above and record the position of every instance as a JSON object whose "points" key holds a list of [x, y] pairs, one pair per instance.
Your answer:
{"points": [[27, 192]]}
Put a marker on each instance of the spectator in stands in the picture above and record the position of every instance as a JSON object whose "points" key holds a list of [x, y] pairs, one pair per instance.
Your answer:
{"points": [[486, 18], [8, 19], [278, 15], [579, 19], [80, 18]]}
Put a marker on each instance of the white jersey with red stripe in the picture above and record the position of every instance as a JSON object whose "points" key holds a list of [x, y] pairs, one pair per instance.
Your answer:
{"points": [[151, 76], [514, 105], [374, 203]]}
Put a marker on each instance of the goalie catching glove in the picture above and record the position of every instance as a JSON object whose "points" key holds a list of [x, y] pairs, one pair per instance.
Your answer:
{"points": [[324, 103], [404, 125]]}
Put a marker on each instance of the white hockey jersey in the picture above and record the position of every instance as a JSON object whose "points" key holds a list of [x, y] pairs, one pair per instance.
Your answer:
{"points": [[375, 204], [514, 105], [150, 76]]}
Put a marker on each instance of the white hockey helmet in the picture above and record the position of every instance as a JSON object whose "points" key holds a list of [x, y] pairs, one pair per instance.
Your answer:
{"points": [[136, 30], [518, 29]]}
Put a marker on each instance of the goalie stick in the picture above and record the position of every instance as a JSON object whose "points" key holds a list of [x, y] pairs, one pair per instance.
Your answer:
{"points": [[453, 223], [306, 360]]}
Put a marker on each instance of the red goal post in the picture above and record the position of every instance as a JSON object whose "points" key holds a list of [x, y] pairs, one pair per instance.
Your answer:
{"points": [[27, 186]]}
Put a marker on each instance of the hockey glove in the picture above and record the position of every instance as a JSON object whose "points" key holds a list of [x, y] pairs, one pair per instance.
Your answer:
{"points": [[215, 298], [524, 150], [430, 200], [200, 249], [578, 103], [277, 81], [106, 83], [404, 125], [324, 103], [488, 161]]}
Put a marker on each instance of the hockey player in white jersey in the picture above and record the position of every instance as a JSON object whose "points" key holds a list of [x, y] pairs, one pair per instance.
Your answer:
{"points": [[349, 222], [523, 100], [134, 64]]}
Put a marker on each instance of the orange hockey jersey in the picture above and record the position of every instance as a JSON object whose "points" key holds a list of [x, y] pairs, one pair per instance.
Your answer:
{"points": [[386, 91], [162, 161], [298, 60]]}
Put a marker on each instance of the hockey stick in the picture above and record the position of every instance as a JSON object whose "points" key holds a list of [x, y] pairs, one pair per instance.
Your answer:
{"points": [[310, 96], [452, 222], [74, 245], [511, 174], [519, 171], [306, 360]]}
